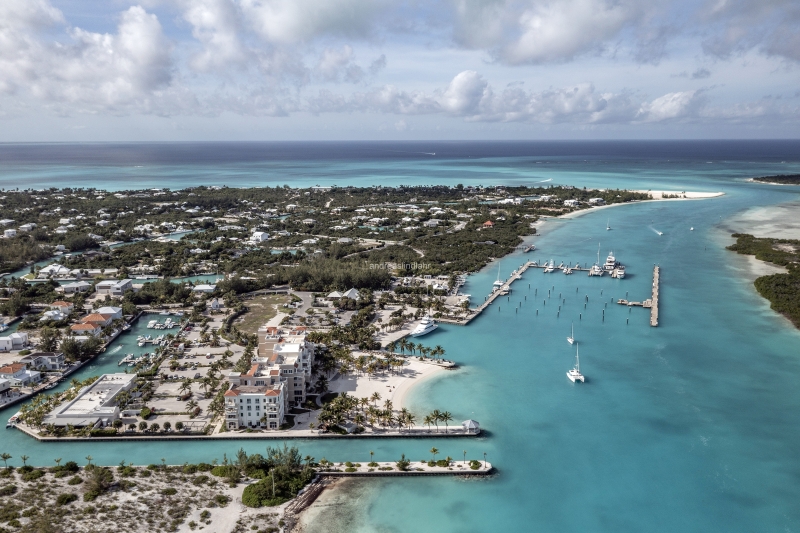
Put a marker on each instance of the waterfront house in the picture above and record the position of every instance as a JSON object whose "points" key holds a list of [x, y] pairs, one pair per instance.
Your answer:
{"points": [[85, 329], [53, 314], [114, 287], [28, 227], [5, 388], [571, 203], [597, 201], [19, 375], [45, 361], [98, 319], [113, 312]]}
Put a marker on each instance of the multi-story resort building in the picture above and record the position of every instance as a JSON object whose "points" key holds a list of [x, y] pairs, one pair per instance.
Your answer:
{"points": [[277, 380]]}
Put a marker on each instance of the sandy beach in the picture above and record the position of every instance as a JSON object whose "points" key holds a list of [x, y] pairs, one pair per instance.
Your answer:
{"points": [[658, 196]]}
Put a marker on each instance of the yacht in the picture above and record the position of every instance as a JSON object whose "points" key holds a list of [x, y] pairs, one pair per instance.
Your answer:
{"points": [[425, 326], [596, 269], [571, 338], [618, 272], [611, 262], [152, 324], [549, 267], [567, 270], [575, 374]]}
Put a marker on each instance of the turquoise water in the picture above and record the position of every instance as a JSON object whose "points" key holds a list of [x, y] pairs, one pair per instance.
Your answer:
{"points": [[691, 426]]}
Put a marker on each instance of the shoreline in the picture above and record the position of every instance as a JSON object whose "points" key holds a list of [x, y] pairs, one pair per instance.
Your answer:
{"points": [[689, 196]]}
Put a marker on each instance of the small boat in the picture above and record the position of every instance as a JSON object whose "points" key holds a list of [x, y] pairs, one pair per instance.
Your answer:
{"points": [[152, 324], [608, 225], [51, 386], [575, 374], [497, 284], [571, 338], [426, 325], [549, 267], [691, 229], [13, 420]]}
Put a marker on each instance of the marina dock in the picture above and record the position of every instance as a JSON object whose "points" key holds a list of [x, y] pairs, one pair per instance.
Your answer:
{"points": [[652, 302], [654, 299]]}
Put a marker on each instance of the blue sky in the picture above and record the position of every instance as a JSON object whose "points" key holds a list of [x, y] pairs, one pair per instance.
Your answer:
{"points": [[78, 70]]}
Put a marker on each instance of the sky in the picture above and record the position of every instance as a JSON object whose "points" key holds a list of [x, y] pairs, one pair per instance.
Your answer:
{"points": [[189, 70]]}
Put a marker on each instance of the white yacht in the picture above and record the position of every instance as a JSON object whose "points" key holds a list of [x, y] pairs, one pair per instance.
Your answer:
{"points": [[425, 326], [571, 338], [596, 269], [152, 324], [549, 267], [575, 374], [618, 272], [611, 262]]}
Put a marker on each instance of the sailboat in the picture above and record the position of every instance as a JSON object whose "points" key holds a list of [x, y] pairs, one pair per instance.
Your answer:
{"points": [[571, 338], [608, 224], [497, 284], [575, 374]]}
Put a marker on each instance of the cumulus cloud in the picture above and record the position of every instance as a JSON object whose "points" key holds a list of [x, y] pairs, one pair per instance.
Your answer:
{"points": [[215, 25], [98, 71], [294, 21]]}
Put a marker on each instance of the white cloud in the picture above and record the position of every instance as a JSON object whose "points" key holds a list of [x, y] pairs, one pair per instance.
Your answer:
{"points": [[215, 25], [89, 71], [671, 106], [337, 64], [297, 21]]}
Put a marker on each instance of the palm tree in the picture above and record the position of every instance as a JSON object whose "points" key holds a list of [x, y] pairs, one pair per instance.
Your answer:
{"points": [[88, 460], [391, 346], [24, 459], [5, 457], [438, 351], [446, 417], [410, 419], [371, 453], [428, 420], [434, 451], [375, 397], [388, 405], [436, 415], [364, 403], [58, 461]]}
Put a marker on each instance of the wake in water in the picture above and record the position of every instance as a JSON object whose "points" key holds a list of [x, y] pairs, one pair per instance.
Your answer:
{"points": [[659, 233], [115, 350], [545, 181]]}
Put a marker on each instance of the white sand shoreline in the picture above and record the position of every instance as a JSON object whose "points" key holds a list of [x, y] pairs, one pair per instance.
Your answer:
{"points": [[657, 197]]}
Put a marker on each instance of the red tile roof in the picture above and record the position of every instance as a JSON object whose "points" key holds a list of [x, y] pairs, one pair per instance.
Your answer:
{"points": [[272, 392], [13, 368], [232, 392], [253, 370]]}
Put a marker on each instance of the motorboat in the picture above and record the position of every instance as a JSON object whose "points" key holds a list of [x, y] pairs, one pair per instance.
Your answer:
{"points": [[549, 267], [152, 324], [425, 326], [618, 272], [611, 262], [14, 419], [575, 374]]}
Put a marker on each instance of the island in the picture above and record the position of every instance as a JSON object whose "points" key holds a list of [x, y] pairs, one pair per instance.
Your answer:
{"points": [[780, 179]]}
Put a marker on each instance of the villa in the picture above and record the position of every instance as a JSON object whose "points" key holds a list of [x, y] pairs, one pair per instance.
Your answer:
{"points": [[78, 286], [114, 287], [19, 375], [45, 360], [255, 406], [15, 341]]}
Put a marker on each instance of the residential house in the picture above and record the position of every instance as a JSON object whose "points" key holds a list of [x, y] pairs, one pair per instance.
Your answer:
{"points": [[78, 286], [19, 375], [113, 287], [5, 388], [45, 361], [488, 224], [9, 233], [571, 203], [85, 329], [14, 341], [64, 307], [259, 236], [204, 288], [53, 314], [101, 320], [255, 406], [597, 201], [114, 312]]}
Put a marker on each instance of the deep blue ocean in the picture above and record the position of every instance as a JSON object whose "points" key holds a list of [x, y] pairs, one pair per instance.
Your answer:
{"points": [[692, 426]]}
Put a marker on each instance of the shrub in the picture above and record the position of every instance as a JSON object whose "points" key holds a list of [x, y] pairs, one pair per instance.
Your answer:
{"points": [[199, 480], [348, 463], [350, 469], [204, 467], [373, 464], [32, 475], [474, 465], [169, 491], [145, 413], [65, 499], [8, 490], [75, 480], [222, 500], [145, 473], [443, 462], [225, 471], [189, 469]]}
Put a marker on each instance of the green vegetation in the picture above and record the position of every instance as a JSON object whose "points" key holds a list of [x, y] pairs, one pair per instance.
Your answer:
{"points": [[782, 290], [285, 476], [780, 179]]}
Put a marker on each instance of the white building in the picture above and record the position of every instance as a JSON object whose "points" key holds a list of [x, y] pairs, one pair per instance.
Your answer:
{"points": [[204, 288], [115, 312], [95, 405], [255, 406], [571, 203], [19, 375], [259, 236], [5, 388], [113, 287], [45, 360], [28, 227], [78, 286], [597, 201], [14, 341], [9, 233]]}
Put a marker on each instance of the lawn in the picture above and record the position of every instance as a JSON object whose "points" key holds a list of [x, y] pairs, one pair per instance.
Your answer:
{"points": [[261, 309]]}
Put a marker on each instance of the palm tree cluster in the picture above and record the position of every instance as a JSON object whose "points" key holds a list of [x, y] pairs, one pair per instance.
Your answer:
{"points": [[404, 344], [34, 412], [345, 407], [437, 416]]}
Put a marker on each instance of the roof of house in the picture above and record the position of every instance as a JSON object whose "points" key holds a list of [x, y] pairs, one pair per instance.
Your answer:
{"points": [[61, 303], [253, 370], [96, 317], [488, 223], [13, 368], [83, 327]]}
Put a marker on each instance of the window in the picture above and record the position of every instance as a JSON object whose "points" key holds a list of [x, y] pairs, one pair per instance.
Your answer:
{"points": [[273, 416], [248, 400]]}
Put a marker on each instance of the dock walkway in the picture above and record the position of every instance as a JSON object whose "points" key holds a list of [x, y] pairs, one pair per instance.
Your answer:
{"points": [[654, 306]]}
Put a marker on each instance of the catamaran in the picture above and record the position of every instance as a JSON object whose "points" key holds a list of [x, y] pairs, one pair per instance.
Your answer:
{"points": [[575, 374], [571, 338], [497, 284]]}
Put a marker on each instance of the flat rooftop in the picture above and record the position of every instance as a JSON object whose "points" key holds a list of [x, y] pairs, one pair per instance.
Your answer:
{"points": [[96, 396]]}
